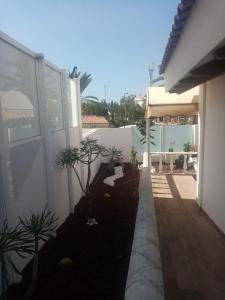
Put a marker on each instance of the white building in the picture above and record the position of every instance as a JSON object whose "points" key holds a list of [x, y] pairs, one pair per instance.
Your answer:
{"points": [[195, 55]]}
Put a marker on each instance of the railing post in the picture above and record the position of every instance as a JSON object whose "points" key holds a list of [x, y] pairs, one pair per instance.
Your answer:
{"points": [[185, 163], [171, 163], [160, 163], [172, 157]]}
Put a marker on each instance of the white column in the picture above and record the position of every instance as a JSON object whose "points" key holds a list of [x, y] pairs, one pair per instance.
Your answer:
{"points": [[171, 163], [202, 112], [146, 158], [44, 127], [160, 163], [4, 192], [193, 134], [65, 98], [147, 142], [161, 137], [185, 163], [79, 121]]}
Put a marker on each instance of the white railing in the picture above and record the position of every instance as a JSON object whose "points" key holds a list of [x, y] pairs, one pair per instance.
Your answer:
{"points": [[170, 157]]}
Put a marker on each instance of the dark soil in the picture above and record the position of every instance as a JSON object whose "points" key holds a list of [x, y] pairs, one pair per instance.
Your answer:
{"points": [[100, 254]]}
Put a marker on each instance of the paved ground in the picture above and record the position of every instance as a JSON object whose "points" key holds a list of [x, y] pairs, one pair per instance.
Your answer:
{"points": [[186, 186], [192, 249]]}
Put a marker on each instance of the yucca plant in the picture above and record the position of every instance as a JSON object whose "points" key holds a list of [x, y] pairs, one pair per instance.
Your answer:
{"points": [[12, 240], [38, 227], [115, 155], [86, 154], [133, 158]]}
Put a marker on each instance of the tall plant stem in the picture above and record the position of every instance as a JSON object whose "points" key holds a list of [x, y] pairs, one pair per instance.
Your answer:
{"points": [[78, 177], [34, 272], [4, 278], [88, 193]]}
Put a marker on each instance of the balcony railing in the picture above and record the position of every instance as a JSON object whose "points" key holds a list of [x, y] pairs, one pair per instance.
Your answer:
{"points": [[166, 161]]}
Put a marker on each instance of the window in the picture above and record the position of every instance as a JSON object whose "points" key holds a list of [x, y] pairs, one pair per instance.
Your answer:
{"points": [[18, 93], [53, 98]]}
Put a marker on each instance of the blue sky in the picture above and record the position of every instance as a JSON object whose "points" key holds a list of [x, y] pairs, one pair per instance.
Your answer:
{"points": [[114, 40]]}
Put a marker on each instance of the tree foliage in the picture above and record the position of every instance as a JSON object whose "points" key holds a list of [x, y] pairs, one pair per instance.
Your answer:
{"points": [[95, 108], [141, 124], [85, 80], [86, 154], [124, 112]]}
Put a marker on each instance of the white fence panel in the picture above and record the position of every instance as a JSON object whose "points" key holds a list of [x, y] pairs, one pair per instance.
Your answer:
{"points": [[39, 117]]}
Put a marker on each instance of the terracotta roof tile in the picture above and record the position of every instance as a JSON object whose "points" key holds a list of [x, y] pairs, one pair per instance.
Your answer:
{"points": [[92, 119]]}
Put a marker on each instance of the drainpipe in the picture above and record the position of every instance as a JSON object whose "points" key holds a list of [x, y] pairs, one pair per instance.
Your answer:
{"points": [[148, 162], [200, 174], [3, 173], [79, 120], [147, 133]]}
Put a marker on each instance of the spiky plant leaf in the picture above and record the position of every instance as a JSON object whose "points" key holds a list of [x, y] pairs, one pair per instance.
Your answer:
{"points": [[86, 154], [12, 240], [40, 226], [113, 153], [91, 99], [68, 157]]}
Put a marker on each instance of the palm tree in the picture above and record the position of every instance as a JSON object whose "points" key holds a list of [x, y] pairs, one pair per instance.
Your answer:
{"points": [[85, 80]]}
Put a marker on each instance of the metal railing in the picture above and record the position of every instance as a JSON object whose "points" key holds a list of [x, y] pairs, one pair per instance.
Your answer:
{"points": [[169, 158]]}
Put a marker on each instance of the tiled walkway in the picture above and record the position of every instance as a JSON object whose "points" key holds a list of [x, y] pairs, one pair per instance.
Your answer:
{"points": [[192, 249]]}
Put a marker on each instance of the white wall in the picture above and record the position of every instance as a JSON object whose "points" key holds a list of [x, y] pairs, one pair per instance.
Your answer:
{"points": [[59, 201], [204, 30], [213, 173], [29, 177], [75, 190], [121, 138]]}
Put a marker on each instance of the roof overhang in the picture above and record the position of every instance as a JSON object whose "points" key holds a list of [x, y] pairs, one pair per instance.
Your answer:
{"points": [[161, 103], [172, 110], [183, 12], [211, 66], [198, 55]]}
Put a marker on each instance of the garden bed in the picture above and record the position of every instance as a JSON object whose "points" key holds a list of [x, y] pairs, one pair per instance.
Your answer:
{"points": [[100, 254]]}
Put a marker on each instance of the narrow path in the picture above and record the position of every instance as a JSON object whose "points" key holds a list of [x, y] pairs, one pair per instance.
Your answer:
{"points": [[192, 248]]}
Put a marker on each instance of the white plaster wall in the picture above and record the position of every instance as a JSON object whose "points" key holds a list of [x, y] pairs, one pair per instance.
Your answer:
{"points": [[204, 30], [195, 136], [30, 192], [75, 190], [213, 188], [74, 105], [58, 178], [121, 138]]}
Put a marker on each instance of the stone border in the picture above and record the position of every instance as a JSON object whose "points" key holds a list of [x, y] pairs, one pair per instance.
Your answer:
{"points": [[144, 281]]}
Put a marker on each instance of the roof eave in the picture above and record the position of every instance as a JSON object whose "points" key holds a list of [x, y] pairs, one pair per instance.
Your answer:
{"points": [[183, 12]]}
